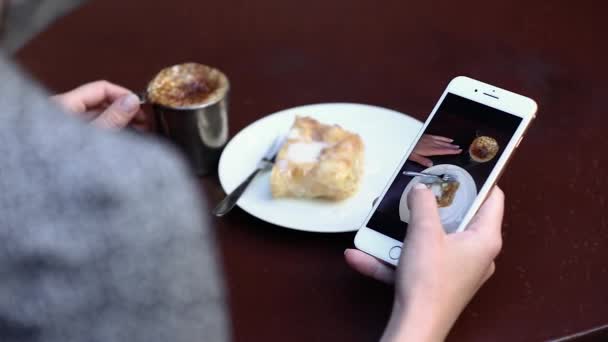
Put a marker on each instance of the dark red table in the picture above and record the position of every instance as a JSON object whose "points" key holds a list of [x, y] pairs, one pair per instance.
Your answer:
{"points": [[552, 277]]}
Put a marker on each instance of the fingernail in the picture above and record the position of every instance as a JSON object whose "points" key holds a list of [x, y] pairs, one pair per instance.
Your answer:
{"points": [[420, 186], [346, 250], [129, 103]]}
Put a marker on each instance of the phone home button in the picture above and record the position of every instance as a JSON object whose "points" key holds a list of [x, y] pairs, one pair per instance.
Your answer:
{"points": [[395, 253]]}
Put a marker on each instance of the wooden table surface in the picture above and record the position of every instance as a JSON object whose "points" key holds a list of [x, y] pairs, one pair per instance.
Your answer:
{"points": [[552, 276]]}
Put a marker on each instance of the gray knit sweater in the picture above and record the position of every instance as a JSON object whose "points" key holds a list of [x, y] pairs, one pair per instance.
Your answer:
{"points": [[101, 233]]}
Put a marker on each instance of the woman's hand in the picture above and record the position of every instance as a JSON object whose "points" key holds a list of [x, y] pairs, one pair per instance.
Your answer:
{"points": [[105, 104], [433, 145], [438, 273]]}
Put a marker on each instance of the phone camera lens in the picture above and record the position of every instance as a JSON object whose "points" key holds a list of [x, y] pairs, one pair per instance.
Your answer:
{"points": [[475, 90]]}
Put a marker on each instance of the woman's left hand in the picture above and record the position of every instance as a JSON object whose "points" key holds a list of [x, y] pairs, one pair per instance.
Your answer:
{"points": [[105, 104]]}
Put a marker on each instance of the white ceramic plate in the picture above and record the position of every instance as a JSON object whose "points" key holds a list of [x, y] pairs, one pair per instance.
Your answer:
{"points": [[465, 195], [387, 135]]}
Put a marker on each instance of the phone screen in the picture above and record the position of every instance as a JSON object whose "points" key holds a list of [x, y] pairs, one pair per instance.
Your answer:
{"points": [[481, 134]]}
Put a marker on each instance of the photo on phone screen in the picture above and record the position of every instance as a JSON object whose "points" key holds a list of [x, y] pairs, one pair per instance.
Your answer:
{"points": [[480, 131]]}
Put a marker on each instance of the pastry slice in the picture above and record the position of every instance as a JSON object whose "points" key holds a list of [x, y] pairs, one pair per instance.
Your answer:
{"points": [[318, 161], [447, 193]]}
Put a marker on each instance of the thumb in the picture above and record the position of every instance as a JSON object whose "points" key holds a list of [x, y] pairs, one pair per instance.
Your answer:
{"points": [[487, 223], [424, 213], [120, 113]]}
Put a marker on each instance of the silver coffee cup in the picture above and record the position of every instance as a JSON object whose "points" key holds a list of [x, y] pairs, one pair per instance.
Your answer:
{"points": [[199, 130]]}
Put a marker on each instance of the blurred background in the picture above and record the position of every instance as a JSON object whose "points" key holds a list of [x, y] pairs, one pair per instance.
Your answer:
{"points": [[26, 18]]}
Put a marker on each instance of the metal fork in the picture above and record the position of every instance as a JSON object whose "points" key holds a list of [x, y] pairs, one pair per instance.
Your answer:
{"points": [[442, 178], [264, 164]]}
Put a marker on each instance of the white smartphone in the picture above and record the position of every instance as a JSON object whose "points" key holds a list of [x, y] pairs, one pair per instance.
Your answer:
{"points": [[487, 123]]}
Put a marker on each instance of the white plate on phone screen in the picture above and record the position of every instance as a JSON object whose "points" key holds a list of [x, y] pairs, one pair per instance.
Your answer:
{"points": [[387, 135], [452, 215]]}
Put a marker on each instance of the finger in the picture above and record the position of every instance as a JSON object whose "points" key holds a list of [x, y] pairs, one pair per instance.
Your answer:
{"points": [[488, 221], [442, 151], [92, 95], [424, 212], [120, 113], [415, 157], [102, 92], [440, 138], [490, 271], [89, 114], [490, 213], [369, 266], [446, 145]]}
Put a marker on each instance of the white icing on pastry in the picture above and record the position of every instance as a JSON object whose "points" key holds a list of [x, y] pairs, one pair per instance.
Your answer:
{"points": [[436, 189], [283, 165], [305, 152], [294, 134]]}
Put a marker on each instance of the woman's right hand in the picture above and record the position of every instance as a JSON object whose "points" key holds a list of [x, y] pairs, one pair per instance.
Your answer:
{"points": [[438, 273]]}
